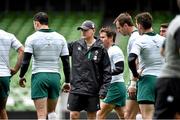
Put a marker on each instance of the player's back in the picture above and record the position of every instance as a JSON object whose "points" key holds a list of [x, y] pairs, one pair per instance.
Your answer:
{"points": [[150, 53], [47, 48]]}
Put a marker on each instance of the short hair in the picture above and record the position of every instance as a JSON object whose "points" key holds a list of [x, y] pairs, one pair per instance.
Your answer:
{"points": [[145, 19], [124, 18], [109, 32], [41, 17], [164, 25]]}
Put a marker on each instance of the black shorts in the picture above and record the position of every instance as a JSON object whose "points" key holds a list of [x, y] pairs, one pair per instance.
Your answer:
{"points": [[77, 102], [167, 98]]}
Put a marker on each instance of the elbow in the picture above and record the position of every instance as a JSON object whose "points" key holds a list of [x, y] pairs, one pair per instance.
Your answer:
{"points": [[131, 59]]}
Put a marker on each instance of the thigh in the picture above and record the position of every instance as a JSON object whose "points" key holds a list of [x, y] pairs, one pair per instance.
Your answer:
{"points": [[147, 110], [105, 108], [120, 111], [4, 87], [131, 109], [3, 103]]}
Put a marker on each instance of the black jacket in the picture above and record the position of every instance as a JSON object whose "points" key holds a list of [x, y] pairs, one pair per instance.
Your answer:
{"points": [[91, 69]]}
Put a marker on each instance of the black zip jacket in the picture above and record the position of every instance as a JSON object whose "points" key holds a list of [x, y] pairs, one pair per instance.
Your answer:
{"points": [[91, 69]]}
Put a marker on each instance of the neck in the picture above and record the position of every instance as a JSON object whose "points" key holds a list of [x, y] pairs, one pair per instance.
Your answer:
{"points": [[148, 30], [109, 45], [89, 40], [43, 27], [131, 29]]}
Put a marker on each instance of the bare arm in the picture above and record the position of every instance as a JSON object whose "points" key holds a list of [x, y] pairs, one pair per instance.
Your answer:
{"points": [[19, 60]]}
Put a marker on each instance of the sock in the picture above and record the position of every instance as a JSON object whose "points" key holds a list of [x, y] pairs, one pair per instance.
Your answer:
{"points": [[52, 116]]}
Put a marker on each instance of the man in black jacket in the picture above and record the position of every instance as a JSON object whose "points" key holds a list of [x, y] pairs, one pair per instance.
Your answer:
{"points": [[167, 87], [91, 73]]}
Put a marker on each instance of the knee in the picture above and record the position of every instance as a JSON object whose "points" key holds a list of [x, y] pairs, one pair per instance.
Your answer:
{"points": [[126, 115], [129, 115], [2, 110], [100, 115], [74, 115]]}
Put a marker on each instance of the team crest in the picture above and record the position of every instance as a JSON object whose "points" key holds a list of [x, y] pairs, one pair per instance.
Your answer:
{"points": [[95, 55], [79, 48]]}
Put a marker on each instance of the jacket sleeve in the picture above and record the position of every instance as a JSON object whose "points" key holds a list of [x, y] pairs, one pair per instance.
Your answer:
{"points": [[70, 48], [106, 74], [66, 67]]}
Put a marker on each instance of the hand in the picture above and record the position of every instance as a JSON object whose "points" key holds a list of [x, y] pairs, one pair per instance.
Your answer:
{"points": [[22, 82], [101, 97], [13, 71], [140, 71], [66, 87], [132, 88], [135, 79], [132, 92]]}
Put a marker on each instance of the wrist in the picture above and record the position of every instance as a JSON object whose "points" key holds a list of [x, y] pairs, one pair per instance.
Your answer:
{"points": [[133, 84], [21, 78], [66, 83]]}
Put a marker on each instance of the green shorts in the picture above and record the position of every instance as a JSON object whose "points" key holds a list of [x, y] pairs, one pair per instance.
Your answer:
{"points": [[4, 87], [45, 84], [146, 88], [116, 94]]}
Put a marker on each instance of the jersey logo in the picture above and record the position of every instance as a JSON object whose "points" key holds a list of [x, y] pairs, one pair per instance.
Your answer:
{"points": [[156, 44]]}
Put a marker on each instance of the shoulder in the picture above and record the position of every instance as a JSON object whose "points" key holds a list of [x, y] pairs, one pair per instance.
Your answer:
{"points": [[134, 35], [56, 34], [32, 37], [115, 50], [100, 43], [160, 37], [7, 34]]}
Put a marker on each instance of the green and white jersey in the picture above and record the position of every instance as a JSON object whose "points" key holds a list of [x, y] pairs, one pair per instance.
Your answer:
{"points": [[172, 65], [115, 55], [147, 47], [46, 47], [7, 41]]}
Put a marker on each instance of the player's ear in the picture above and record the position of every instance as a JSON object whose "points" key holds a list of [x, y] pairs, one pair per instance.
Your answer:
{"points": [[38, 23], [125, 25], [94, 30], [141, 27]]}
